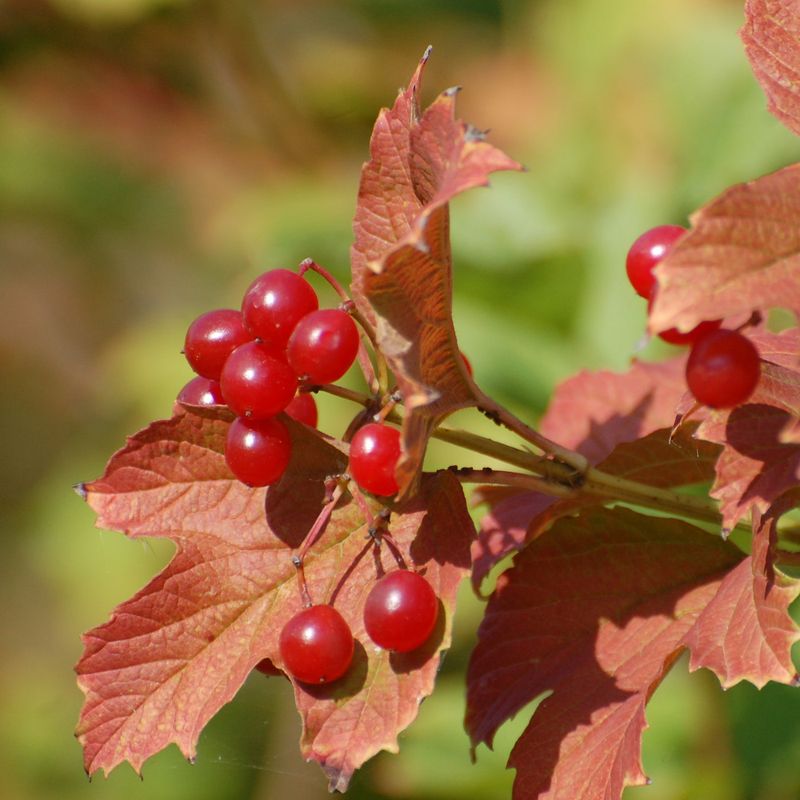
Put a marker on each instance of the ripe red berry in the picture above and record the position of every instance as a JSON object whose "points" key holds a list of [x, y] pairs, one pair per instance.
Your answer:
{"points": [[723, 369], [674, 336], [255, 382], [211, 338], [258, 451], [316, 645], [303, 408], [400, 611], [201, 391], [374, 453], [323, 345], [646, 252], [275, 302]]}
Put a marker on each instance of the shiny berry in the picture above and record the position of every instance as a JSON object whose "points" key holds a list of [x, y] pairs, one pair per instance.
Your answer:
{"points": [[401, 611], [323, 345], [374, 453], [258, 451], [723, 369], [201, 391], [674, 336], [256, 382], [275, 302], [646, 252], [211, 338], [303, 408], [316, 645]]}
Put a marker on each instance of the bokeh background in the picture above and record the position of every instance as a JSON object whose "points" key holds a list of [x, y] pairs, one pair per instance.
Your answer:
{"points": [[155, 155]]}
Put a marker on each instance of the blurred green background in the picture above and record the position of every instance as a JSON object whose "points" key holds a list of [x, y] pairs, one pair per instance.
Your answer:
{"points": [[155, 155]]}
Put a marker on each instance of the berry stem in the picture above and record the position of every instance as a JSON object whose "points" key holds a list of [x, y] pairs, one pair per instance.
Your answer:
{"points": [[562, 476], [504, 417], [298, 559], [376, 384], [498, 477]]}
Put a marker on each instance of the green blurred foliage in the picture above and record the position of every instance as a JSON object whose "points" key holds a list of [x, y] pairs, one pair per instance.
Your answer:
{"points": [[156, 154]]}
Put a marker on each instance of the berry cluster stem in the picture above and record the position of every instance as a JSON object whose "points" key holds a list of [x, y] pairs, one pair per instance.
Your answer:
{"points": [[559, 476]]}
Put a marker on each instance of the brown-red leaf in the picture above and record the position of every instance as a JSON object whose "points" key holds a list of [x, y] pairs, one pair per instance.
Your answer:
{"points": [[171, 656], [596, 611], [771, 36], [745, 632], [401, 260], [757, 464], [619, 422], [741, 254], [593, 412]]}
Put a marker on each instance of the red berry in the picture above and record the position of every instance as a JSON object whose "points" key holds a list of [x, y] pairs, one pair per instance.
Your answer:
{"points": [[303, 408], [646, 252], [201, 391], [674, 336], [323, 345], [211, 338], [316, 645], [723, 369], [400, 611], [258, 451], [255, 382], [374, 453], [275, 302]]}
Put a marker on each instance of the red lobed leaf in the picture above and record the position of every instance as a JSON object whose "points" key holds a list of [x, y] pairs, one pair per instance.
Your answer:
{"points": [[741, 254], [757, 464], [745, 632], [659, 459], [401, 260], [596, 611], [172, 655], [618, 421], [771, 37], [593, 412]]}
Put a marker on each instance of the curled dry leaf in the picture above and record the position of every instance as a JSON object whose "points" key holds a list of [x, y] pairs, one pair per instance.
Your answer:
{"points": [[401, 259]]}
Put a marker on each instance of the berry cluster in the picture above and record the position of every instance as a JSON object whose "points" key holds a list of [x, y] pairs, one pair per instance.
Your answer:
{"points": [[723, 367], [258, 362], [400, 613], [262, 361]]}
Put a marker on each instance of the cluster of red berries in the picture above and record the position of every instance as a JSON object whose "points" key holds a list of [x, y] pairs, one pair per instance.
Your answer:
{"points": [[259, 360], [723, 367], [400, 613]]}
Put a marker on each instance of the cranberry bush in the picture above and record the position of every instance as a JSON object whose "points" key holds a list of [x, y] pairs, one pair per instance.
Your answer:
{"points": [[339, 567]]}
